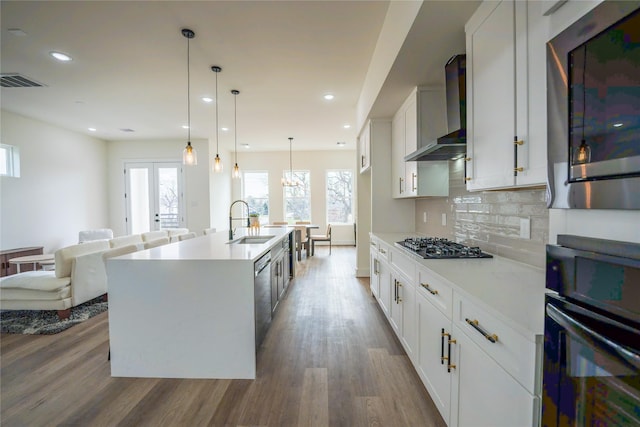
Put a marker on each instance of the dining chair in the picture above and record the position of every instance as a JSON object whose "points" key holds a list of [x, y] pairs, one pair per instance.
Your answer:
{"points": [[156, 242], [321, 238], [280, 223], [207, 231], [187, 236]]}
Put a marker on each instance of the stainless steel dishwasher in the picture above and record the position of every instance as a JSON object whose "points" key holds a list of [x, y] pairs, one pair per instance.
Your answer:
{"points": [[262, 296]]}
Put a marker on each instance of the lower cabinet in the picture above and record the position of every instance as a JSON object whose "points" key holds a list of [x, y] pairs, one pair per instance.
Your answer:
{"points": [[434, 330], [474, 377], [483, 393], [374, 280]]}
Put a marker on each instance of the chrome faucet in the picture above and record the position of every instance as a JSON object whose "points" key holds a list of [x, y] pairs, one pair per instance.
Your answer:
{"points": [[231, 229]]}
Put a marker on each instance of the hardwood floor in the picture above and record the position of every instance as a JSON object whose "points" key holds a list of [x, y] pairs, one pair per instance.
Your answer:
{"points": [[330, 358]]}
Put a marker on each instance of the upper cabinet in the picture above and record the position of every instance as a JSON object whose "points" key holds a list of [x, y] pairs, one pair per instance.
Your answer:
{"points": [[364, 148], [506, 81], [420, 119]]}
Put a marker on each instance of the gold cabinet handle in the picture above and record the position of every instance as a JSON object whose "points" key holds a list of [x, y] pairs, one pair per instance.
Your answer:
{"points": [[431, 291], [518, 169], [467, 159], [467, 179], [493, 338], [519, 142]]}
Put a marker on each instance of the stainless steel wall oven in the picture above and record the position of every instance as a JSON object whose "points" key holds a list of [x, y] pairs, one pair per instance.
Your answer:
{"points": [[593, 110], [591, 366]]}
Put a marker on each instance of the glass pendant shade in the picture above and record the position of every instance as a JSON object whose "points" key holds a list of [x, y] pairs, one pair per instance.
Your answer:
{"points": [[290, 181], [236, 171], [217, 164], [582, 154], [189, 155]]}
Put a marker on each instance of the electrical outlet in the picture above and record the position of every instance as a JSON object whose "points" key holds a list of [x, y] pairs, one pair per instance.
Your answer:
{"points": [[525, 228], [424, 217], [444, 219]]}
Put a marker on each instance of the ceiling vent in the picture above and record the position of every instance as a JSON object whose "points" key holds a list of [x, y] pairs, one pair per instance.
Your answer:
{"points": [[18, 80]]}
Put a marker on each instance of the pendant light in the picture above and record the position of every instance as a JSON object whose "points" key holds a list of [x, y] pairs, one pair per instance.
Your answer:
{"points": [[583, 154], [236, 169], [189, 155], [290, 182], [217, 163]]}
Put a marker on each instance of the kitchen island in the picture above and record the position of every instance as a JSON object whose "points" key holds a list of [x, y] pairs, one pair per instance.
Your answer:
{"points": [[187, 309]]}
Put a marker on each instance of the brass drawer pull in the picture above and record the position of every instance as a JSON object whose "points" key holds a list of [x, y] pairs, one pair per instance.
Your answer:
{"points": [[518, 169], [431, 291], [475, 325], [519, 142]]}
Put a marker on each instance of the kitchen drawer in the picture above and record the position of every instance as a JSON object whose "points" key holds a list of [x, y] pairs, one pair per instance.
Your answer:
{"points": [[404, 264], [436, 291], [384, 251], [511, 350]]}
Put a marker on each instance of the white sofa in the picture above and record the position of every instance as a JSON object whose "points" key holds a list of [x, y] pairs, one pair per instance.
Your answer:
{"points": [[79, 274]]}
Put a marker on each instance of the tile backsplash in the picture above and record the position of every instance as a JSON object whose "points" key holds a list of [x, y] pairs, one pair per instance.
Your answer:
{"points": [[488, 219]]}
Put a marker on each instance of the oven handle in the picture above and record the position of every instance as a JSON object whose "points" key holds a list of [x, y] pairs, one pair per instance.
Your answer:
{"points": [[571, 324]]}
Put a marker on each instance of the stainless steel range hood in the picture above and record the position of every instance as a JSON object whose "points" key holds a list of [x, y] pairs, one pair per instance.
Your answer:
{"points": [[454, 144]]}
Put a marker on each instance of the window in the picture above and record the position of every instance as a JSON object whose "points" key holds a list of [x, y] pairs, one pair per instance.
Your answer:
{"points": [[9, 160], [340, 197], [255, 191], [297, 199]]}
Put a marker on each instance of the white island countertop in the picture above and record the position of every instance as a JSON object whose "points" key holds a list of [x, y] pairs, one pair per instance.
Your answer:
{"points": [[214, 247], [512, 289]]}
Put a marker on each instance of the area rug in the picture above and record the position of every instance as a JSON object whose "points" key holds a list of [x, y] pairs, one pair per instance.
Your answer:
{"points": [[46, 322]]}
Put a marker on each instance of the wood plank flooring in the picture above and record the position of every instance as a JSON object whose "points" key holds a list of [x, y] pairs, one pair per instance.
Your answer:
{"points": [[329, 359]]}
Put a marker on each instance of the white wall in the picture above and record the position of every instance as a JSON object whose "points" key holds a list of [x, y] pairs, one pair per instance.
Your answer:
{"points": [[196, 178], [61, 189], [317, 162]]}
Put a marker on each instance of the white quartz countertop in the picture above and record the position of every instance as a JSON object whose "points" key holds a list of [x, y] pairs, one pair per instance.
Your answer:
{"points": [[213, 247], [512, 289]]}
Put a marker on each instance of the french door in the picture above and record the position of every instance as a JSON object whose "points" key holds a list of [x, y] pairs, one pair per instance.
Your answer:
{"points": [[153, 196]]}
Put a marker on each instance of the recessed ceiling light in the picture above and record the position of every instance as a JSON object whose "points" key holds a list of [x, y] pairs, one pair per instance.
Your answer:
{"points": [[92, 129], [245, 146], [347, 126], [185, 127], [341, 143], [328, 97], [127, 130], [207, 99], [617, 125], [224, 129], [62, 57]]}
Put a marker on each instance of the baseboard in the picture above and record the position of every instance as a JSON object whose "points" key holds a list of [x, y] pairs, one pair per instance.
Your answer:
{"points": [[363, 272]]}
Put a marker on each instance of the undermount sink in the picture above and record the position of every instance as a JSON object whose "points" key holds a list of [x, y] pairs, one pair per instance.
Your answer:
{"points": [[251, 240]]}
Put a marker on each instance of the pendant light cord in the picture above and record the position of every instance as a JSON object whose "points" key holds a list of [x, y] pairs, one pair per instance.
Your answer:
{"points": [[217, 138], [188, 93], [584, 91], [235, 125]]}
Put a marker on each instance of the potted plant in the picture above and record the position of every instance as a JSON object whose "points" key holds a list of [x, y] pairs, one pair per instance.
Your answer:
{"points": [[254, 221]]}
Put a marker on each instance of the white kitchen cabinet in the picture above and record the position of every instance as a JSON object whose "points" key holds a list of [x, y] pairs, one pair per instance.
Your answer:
{"points": [[384, 279], [374, 279], [483, 393], [420, 119], [364, 148], [402, 311], [432, 325], [506, 108]]}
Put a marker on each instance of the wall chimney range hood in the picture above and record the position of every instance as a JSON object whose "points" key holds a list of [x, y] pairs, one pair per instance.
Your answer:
{"points": [[454, 144]]}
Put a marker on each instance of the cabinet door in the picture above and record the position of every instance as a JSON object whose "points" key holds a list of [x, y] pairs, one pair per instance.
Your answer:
{"points": [[432, 347], [386, 286], [483, 393], [491, 78], [395, 308], [409, 326], [398, 183], [374, 279]]}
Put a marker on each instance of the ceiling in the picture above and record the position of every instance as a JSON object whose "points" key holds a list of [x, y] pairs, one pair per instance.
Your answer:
{"points": [[129, 67]]}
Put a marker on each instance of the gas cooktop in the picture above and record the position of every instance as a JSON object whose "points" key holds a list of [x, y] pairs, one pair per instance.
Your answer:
{"points": [[440, 248]]}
